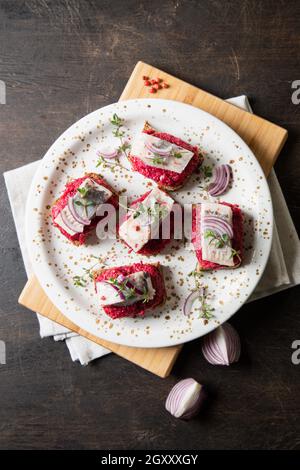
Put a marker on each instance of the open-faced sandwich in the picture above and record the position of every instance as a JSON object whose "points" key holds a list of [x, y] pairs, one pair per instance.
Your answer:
{"points": [[149, 224], [75, 212], [217, 235], [128, 291], [164, 158]]}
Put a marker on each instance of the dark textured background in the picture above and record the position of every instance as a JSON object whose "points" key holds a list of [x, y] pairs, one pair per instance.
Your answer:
{"points": [[63, 59]]}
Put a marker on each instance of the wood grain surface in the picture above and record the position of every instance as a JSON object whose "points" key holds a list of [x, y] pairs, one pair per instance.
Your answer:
{"points": [[61, 59]]}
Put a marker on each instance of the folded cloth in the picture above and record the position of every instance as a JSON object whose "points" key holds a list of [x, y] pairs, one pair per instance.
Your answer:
{"points": [[283, 268], [282, 271], [18, 182]]}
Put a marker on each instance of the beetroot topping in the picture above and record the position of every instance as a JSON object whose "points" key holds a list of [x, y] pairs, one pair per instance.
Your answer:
{"points": [[137, 288], [169, 177], [219, 240], [75, 212]]}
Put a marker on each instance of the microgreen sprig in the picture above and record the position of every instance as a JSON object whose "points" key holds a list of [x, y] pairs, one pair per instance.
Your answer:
{"points": [[129, 292], [82, 281], [118, 123], [124, 146], [206, 311], [221, 241], [155, 213], [207, 172]]}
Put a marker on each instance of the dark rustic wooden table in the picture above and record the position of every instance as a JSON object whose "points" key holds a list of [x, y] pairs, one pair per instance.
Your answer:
{"points": [[61, 59]]}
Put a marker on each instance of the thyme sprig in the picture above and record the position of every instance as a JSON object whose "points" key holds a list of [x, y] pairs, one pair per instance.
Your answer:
{"points": [[206, 311], [118, 123], [124, 146], [82, 281]]}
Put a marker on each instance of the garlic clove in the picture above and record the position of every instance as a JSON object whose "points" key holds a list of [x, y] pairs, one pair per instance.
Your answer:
{"points": [[185, 399], [222, 346]]}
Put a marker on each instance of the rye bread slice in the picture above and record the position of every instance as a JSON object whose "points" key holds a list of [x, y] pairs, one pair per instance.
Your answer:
{"points": [[237, 242], [139, 308], [148, 129], [70, 190]]}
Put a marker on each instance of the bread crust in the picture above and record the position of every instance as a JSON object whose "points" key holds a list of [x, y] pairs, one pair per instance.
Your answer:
{"points": [[91, 175], [157, 265], [148, 128]]}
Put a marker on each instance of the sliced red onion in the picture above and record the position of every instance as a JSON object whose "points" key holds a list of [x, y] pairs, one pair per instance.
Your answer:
{"points": [[72, 208], [163, 152], [107, 152], [70, 222], [222, 346], [221, 180], [120, 293], [189, 301], [121, 278], [218, 225], [185, 399]]}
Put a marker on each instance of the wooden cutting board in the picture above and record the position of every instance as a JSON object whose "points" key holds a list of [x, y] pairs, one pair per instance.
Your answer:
{"points": [[263, 137]]}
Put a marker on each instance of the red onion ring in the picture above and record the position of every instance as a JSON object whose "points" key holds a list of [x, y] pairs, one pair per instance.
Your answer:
{"points": [[162, 152], [222, 175], [189, 301], [107, 153], [81, 220], [218, 225], [68, 223]]}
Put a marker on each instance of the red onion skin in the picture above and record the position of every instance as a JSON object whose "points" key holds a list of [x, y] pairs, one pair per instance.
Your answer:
{"points": [[154, 149], [212, 350], [221, 225], [188, 303], [67, 223], [177, 393], [221, 180], [113, 154], [75, 215], [116, 288]]}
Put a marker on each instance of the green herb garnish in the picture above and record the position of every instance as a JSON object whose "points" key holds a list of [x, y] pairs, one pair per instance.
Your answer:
{"points": [[155, 213], [207, 171], [206, 310], [118, 123], [221, 241], [81, 281], [129, 292], [177, 155]]}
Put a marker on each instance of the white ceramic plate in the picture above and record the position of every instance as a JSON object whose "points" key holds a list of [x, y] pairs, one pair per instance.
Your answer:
{"points": [[56, 261]]}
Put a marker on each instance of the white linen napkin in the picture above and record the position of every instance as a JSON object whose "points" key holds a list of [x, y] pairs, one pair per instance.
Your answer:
{"points": [[282, 271], [18, 182]]}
